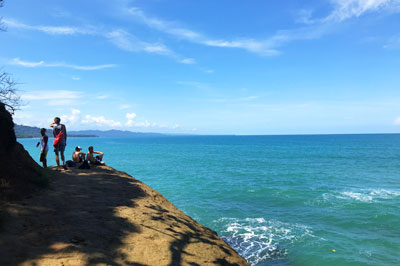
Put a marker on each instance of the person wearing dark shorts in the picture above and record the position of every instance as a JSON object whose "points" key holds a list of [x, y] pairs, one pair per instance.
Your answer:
{"points": [[44, 147]]}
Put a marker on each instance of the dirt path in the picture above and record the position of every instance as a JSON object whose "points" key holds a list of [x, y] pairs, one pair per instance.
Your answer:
{"points": [[105, 217]]}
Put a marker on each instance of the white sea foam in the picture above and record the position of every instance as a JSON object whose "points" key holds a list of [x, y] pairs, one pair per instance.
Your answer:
{"points": [[357, 196], [365, 195], [257, 239]]}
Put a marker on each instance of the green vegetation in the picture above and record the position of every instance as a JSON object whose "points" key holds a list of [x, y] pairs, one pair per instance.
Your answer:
{"points": [[3, 218], [43, 179]]}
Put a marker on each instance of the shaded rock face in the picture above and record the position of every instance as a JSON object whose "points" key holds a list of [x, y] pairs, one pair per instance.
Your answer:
{"points": [[7, 135], [101, 216], [18, 171]]}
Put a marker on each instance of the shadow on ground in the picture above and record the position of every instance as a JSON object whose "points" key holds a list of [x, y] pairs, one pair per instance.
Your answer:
{"points": [[105, 217], [184, 233], [78, 219]]}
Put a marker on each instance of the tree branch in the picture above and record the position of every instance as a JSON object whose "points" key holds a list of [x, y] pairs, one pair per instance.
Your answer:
{"points": [[8, 92]]}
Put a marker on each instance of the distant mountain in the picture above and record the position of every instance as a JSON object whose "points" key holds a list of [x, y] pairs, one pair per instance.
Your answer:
{"points": [[34, 132], [116, 133]]}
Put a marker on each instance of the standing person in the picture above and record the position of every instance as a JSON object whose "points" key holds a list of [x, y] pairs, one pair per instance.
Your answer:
{"points": [[90, 156], [44, 147], [60, 148]]}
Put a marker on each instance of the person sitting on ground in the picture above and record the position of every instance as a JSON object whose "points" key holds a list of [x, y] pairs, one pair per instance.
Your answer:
{"points": [[78, 156], [95, 160]]}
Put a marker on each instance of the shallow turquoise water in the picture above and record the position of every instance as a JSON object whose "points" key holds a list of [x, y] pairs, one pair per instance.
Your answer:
{"points": [[278, 200]]}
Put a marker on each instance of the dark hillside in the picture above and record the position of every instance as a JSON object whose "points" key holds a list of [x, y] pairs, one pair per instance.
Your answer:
{"points": [[19, 173]]}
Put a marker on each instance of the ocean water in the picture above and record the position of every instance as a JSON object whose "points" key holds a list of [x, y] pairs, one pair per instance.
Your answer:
{"points": [[278, 200]]}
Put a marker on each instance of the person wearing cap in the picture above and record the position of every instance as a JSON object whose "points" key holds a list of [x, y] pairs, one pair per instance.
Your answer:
{"points": [[78, 156]]}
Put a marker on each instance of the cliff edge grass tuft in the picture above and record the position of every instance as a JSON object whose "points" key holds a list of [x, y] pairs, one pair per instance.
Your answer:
{"points": [[42, 180], [3, 217]]}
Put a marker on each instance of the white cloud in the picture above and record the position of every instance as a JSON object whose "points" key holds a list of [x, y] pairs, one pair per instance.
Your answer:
{"points": [[342, 10], [393, 43], [345, 9], [251, 45], [52, 95], [120, 38], [144, 124], [397, 121], [75, 111], [19, 62], [96, 67], [130, 123], [305, 16], [76, 78], [100, 121], [195, 84], [124, 106], [188, 61], [53, 30], [171, 28], [126, 41], [73, 118], [130, 116], [102, 97]]}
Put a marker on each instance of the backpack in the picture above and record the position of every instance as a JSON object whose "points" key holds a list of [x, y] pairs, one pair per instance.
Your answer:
{"points": [[58, 139], [84, 165]]}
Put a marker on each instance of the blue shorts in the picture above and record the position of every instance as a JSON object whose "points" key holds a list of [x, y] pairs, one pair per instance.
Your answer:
{"points": [[59, 148]]}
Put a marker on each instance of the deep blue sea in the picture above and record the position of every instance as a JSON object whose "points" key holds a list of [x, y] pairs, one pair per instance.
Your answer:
{"points": [[278, 200]]}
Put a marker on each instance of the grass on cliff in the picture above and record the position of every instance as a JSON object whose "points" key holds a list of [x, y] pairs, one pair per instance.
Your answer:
{"points": [[3, 217], [42, 180]]}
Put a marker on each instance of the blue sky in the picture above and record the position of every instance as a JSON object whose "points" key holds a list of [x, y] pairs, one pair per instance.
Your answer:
{"points": [[206, 67]]}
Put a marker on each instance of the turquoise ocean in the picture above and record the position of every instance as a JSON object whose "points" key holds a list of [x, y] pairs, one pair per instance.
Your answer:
{"points": [[278, 200]]}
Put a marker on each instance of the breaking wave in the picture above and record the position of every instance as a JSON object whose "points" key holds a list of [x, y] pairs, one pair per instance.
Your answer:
{"points": [[369, 195], [259, 240]]}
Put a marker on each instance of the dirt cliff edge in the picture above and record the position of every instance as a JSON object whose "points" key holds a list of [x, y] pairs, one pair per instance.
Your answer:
{"points": [[105, 217]]}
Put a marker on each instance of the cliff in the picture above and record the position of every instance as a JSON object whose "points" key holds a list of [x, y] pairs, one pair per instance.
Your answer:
{"points": [[20, 175], [105, 217]]}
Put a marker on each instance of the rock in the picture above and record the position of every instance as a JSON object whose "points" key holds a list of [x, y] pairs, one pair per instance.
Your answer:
{"points": [[18, 170], [105, 217]]}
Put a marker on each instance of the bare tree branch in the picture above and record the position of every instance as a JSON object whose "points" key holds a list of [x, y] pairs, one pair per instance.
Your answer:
{"points": [[8, 87], [8, 92]]}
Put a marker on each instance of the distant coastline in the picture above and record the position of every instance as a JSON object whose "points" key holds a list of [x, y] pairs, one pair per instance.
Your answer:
{"points": [[22, 131], [25, 132]]}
